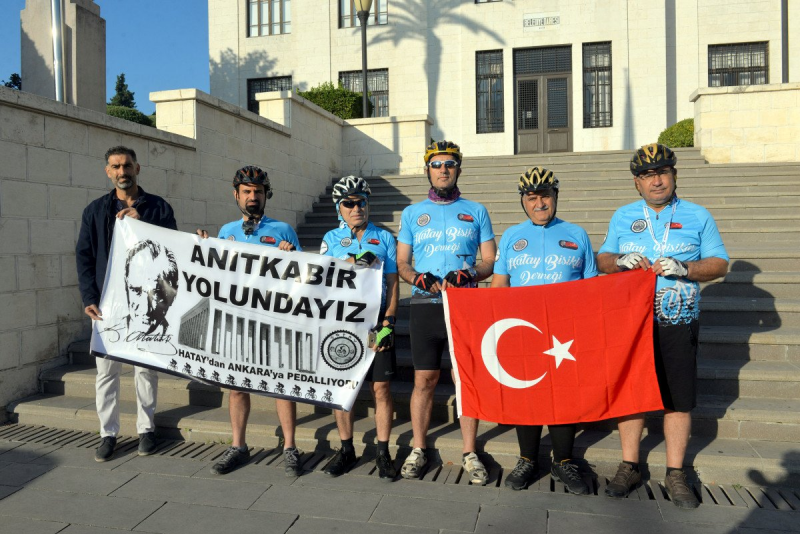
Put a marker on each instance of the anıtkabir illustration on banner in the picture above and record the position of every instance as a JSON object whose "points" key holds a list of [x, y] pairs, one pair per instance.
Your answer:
{"points": [[292, 325]]}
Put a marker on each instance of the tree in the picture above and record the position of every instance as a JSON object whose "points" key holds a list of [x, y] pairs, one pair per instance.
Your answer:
{"points": [[15, 82], [122, 97]]}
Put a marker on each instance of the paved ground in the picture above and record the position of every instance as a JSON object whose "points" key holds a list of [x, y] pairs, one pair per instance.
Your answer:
{"points": [[52, 484]]}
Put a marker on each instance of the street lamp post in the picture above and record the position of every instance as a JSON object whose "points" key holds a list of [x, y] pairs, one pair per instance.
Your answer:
{"points": [[362, 10]]}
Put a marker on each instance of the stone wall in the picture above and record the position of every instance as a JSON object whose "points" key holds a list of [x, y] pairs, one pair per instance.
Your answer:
{"points": [[757, 123]]}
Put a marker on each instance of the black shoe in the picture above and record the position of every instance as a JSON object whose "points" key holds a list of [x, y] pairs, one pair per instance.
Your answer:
{"points": [[147, 444], [624, 481], [341, 462], [567, 472], [386, 469], [679, 491], [106, 449], [291, 460], [522, 475], [230, 460]]}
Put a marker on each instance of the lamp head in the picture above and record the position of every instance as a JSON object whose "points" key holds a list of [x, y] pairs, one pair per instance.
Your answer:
{"points": [[363, 5]]}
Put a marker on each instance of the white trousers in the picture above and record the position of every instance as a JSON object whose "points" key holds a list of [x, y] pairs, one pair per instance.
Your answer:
{"points": [[107, 397]]}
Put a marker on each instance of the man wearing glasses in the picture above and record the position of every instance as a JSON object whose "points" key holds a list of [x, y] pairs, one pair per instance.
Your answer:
{"points": [[251, 190], [680, 243], [443, 234]]}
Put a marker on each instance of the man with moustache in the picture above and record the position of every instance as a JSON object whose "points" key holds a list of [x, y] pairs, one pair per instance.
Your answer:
{"points": [[251, 190], [127, 199], [679, 242]]}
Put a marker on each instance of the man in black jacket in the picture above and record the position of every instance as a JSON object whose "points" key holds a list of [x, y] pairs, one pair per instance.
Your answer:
{"points": [[127, 199]]}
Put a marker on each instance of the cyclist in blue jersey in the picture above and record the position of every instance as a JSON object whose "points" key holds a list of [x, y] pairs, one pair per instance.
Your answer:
{"points": [[251, 190], [362, 243], [680, 243], [543, 250], [443, 234]]}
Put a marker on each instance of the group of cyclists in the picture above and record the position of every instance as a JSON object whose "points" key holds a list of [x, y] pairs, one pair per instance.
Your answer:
{"points": [[448, 241]]}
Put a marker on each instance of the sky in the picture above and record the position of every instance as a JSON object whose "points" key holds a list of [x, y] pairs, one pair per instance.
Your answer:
{"points": [[158, 44]]}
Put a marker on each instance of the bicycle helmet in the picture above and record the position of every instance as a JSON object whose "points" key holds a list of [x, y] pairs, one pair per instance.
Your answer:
{"points": [[251, 174], [537, 179], [350, 185], [652, 156], [442, 147]]}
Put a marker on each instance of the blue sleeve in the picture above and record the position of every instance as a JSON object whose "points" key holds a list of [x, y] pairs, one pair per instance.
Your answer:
{"points": [[390, 265], [611, 242], [291, 237], [711, 245], [500, 261], [405, 236], [589, 262], [223, 234], [487, 232], [325, 247]]}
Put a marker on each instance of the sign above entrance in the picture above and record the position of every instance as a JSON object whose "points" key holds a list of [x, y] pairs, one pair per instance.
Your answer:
{"points": [[540, 21]]}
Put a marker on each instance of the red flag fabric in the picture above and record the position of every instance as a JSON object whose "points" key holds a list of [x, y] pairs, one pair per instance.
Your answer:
{"points": [[554, 354]]}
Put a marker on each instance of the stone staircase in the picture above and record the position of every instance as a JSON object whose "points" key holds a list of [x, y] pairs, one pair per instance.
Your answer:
{"points": [[748, 417]]}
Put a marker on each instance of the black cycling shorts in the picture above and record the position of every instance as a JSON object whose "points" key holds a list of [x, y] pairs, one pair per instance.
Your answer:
{"points": [[428, 336], [675, 351], [383, 367]]}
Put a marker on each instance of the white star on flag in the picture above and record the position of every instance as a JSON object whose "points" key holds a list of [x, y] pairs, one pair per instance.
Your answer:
{"points": [[560, 351]]}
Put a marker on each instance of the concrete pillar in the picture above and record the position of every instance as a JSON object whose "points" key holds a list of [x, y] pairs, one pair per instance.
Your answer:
{"points": [[84, 52]]}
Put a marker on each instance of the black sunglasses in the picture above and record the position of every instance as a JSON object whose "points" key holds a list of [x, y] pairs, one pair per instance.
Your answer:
{"points": [[438, 164], [350, 204]]}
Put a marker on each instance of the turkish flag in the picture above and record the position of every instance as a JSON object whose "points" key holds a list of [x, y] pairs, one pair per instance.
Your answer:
{"points": [[554, 354]]}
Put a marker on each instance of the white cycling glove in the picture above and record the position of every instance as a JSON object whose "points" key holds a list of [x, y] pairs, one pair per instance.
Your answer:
{"points": [[629, 261], [673, 267]]}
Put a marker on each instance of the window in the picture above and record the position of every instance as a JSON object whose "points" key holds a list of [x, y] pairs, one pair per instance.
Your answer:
{"points": [[348, 18], [597, 85], [377, 85], [265, 85], [738, 64], [269, 17], [489, 91]]}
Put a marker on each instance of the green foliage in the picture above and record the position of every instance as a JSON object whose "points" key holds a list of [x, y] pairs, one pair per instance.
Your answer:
{"points": [[343, 103], [153, 120], [679, 134], [14, 82], [122, 97], [129, 114]]}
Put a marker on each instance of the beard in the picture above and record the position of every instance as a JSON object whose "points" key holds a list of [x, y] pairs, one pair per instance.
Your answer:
{"points": [[254, 210], [126, 184]]}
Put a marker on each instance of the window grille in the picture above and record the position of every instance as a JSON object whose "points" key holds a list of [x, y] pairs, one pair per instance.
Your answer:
{"points": [[489, 91], [348, 17], [543, 60], [265, 85], [597, 85], [269, 17], [738, 64], [377, 85]]}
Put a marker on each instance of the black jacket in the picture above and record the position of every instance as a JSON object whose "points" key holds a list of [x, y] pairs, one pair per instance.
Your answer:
{"points": [[94, 240]]}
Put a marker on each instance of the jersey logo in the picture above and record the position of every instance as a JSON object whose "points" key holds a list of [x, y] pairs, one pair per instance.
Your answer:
{"points": [[675, 226], [346, 242], [231, 238], [568, 244], [519, 245], [465, 217], [268, 240], [374, 241], [423, 219], [638, 226], [323, 248]]}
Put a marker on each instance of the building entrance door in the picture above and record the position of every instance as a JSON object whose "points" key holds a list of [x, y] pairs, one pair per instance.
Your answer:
{"points": [[543, 100]]}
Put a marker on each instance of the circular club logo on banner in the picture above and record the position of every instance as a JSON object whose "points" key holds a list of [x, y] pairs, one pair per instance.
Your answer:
{"points": [[323, 248], [342, 350], [519, 245], [423, 219], [638, 225], [346, 242]]}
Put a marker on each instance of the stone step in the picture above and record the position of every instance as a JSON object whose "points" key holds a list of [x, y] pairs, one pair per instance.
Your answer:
{"points": [[738, 311], [716, 459], [754, 284]]}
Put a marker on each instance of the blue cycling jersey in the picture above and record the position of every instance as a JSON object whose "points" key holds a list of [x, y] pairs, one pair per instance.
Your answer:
{"points": [[682, 230], [534, 255], [444, 237], [269, 232], [340, 243]]}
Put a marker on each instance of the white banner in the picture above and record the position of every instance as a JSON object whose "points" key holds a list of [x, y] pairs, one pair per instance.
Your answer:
{"points": [[291, 325]]}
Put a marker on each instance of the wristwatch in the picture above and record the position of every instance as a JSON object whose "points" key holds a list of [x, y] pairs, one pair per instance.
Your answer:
{"points": [[391, 319]]}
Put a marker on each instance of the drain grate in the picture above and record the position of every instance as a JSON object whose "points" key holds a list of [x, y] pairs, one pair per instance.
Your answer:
{"points": [[733, 495]]}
